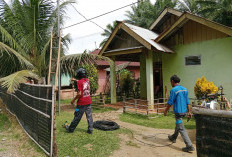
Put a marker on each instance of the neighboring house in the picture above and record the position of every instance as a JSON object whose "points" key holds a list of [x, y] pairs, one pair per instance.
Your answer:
{"points": [[104, 73], [103, 76], [176, 43]]}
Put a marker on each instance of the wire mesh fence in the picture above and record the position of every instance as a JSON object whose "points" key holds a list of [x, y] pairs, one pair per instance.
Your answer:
{"points": [[33, 106]]}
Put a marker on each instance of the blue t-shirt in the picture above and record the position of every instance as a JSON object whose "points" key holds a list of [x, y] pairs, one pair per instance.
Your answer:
{"points": [[179, 98]]}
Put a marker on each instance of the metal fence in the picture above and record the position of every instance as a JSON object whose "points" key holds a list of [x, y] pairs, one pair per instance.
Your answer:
{"points": [[33, 106], [213, 132]]}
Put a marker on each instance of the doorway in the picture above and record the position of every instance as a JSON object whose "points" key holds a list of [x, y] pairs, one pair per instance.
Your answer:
{"points": [[158, 80]]}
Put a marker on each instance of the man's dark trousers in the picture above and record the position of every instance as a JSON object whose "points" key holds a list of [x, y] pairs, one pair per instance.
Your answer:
{"points": [[78, 115], [181, 129]]}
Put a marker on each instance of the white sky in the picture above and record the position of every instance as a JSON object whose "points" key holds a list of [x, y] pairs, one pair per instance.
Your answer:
{"points": [[87, 35]]}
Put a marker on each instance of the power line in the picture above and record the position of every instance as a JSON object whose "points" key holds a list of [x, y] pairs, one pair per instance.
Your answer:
{"points": [[87, 35], [87, 19], [101, 15]]}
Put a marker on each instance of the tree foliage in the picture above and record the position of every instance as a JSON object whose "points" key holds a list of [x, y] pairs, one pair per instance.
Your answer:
{"points": [[107, 32], [70, 63], [25, 28], [13, 81], [217, 10], [92, 75], [189, 5], [126, 82], [144, 13]]}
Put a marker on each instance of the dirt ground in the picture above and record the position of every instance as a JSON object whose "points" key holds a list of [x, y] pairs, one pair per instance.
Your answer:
{"points": [[130, 147], [14, 142]]}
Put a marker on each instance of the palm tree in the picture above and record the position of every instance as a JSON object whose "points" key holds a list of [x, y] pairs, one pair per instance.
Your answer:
{"points": [[217, 10], [107, 32], [25, 27], [189, 5], [145, 12]]}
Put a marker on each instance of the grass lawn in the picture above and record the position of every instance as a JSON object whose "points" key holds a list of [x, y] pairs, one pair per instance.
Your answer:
{"points": [[65, 101], [13, 135], [81, 144], [4, 122], [159, 121], [97, 109]]}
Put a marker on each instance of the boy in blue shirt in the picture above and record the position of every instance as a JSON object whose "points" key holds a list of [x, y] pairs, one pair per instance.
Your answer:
{"points": [[181, 105]]}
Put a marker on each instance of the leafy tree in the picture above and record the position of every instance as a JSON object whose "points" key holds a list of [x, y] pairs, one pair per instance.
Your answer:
{"points": [[70, 63], [92, 74], [25, 28], [217, 10], [145, 13], [107, 32], [126, 82]]}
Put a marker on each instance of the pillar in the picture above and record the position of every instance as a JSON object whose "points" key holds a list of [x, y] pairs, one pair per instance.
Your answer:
{"points": [[149, 77], [143, 84], [113, 82]]}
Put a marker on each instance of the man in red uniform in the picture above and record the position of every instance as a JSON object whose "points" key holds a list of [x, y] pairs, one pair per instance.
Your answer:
{"points": [[83, 102]]}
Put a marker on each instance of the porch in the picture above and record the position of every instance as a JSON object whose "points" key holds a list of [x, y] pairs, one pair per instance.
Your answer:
{"points": [[134, 44]]}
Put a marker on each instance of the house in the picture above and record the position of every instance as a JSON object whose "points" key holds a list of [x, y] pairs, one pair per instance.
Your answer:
{"points": [[103, 76], [103, 72], [176, 43]]}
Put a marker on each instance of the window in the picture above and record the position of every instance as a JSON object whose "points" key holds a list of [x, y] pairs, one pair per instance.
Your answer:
{"points": [[193, 60]]}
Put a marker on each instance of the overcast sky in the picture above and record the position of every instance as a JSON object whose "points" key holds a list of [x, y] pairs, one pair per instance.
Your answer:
{"points": [[87, 35]]}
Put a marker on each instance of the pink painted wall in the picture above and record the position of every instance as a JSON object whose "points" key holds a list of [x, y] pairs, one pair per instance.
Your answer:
{"points": [[102, 77], [101, 80]]}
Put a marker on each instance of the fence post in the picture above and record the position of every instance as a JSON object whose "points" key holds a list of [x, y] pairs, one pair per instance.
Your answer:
{"points": [[136, 106], [54, 127], [157, 107], [103, 99]]}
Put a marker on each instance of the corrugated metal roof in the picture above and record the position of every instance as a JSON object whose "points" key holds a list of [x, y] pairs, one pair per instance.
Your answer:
{"points": [[123, 49], [119, 67], [149, 36], [105, 63]]}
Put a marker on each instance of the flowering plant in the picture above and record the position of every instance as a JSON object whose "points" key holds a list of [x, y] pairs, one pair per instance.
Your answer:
{"points": [[203, 87]]}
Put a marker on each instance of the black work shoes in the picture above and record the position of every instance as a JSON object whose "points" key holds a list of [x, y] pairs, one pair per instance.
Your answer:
{"points": [[188, 149], [90, 132], [171, 139]]}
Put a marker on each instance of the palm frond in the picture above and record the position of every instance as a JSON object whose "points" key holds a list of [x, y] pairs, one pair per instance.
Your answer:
{"points": [[13, 81], [42, 58], [6, 50], [6, 37], [69, 63]]}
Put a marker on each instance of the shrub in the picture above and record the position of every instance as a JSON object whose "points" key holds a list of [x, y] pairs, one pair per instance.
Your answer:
{"points": [[92, 75], [203, 87], [126, 82]]}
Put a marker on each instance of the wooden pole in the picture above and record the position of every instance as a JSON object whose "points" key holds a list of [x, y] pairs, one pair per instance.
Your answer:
{"points": [[52, 124], [50, 61], [54, 128], [58, 60]]}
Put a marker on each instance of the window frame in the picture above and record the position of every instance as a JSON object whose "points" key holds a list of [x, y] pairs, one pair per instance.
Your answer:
{"points": [[199, 57]]}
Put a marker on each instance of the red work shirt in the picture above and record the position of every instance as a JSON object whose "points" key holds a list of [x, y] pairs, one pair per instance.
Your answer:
{"points": [[83, 85]]}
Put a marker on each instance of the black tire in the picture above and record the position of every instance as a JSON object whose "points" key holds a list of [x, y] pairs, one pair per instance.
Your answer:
{"points": [[105, 125]]}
